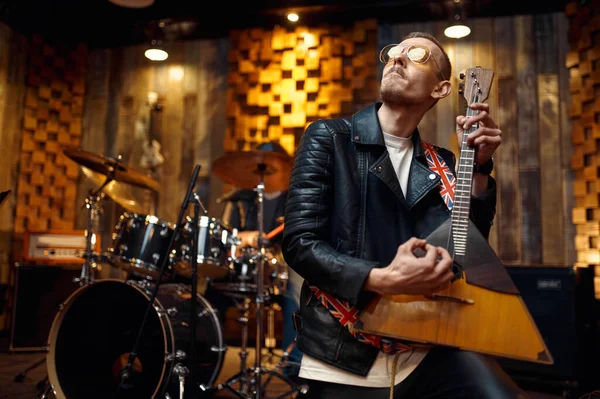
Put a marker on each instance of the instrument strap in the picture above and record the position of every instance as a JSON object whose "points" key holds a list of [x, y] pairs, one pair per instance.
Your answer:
{"points": [[347, 314]]}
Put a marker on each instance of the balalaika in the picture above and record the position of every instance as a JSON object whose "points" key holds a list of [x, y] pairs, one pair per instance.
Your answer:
{"points": [[482, 310]]}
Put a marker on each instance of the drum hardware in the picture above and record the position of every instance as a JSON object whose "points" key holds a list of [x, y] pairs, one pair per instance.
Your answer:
{"points": [[91, 257], [181, 372], [254, 165], [95, 166], [126, 373], [270, 340], [21, 376], [94, 330], [284, 361]]}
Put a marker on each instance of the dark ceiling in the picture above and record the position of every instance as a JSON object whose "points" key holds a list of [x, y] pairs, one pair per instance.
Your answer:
{"points": [[100, 23]]}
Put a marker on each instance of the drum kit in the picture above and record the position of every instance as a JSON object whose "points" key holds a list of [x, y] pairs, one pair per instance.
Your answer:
{"points": [[151, 334]]}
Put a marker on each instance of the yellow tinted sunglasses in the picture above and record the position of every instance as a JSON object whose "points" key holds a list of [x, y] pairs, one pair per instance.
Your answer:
{"points": [[416, 53]]}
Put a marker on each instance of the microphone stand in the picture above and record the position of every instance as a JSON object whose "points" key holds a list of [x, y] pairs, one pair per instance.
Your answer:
{"points": [[179, 369], [193, 303]]}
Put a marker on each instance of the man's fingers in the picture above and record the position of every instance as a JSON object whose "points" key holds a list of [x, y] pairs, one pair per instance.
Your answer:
{"points": [[412, 244], [430, 257]]}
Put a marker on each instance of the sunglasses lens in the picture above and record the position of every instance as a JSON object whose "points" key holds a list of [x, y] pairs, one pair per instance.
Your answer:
{"points": [[418, 54], [389, 52]]}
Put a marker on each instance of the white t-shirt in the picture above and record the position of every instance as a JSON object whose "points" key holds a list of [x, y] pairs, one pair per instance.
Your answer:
{"points": [[401, 151]]}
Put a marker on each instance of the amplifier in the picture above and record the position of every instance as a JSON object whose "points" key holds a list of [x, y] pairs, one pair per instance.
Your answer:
{"points": [[550, 296], [39, 291], [57, 246]]}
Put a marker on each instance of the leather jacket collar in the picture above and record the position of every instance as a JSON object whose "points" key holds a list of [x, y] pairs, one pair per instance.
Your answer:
{"points": [[367, 130]]}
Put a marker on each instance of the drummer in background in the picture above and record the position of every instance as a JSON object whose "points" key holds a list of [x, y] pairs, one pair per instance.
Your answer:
{"points": [[241, 212]]}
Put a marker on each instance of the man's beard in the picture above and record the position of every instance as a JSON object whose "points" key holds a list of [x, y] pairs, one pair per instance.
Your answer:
{"points": [[390, 91], [391, 95]]}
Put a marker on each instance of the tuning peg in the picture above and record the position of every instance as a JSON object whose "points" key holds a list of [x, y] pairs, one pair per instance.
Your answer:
{"points": [[462, 75]]}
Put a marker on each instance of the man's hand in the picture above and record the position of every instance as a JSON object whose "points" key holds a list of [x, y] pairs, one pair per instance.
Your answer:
{"points": [[486, 138], [408, 274]]}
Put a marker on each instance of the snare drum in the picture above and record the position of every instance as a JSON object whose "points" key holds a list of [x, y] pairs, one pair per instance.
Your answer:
{"points": [[213, 245], [97, 326], [141, 243]]}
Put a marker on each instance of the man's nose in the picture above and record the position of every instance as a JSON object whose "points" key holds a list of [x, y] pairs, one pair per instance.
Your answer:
{"points": [[399, 59]]}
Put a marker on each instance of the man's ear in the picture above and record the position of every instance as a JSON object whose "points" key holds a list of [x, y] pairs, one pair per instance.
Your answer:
{"points": [[442, 89]]}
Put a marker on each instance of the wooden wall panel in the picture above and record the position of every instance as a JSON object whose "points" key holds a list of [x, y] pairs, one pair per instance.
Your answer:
{"points": [[189, 115], [528, 99], [583, 61], [13, 66], [508, 221]]}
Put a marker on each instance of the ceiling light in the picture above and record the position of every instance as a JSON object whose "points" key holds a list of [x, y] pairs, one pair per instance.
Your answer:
{"points": [[293, 17], [156, 52], [133, 3], [457, 31], [458, 28]]}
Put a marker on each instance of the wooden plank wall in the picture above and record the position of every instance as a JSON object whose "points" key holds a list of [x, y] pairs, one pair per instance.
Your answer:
{"points": [[583, 61], [13, 66], [118, 120], [529, 99]]}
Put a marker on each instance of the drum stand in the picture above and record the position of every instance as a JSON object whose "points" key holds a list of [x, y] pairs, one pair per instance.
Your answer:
{"points": [[253, 374], [179, 369], [91, 258]]}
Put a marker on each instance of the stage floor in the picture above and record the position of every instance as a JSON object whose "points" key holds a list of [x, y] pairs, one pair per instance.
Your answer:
{"points": [[12, 364]]}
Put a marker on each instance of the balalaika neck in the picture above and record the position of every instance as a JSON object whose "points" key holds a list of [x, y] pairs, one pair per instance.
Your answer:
{"points": [[462, 193]]}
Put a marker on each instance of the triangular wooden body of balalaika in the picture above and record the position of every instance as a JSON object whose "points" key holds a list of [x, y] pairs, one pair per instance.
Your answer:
{"points": [[497, 321]]}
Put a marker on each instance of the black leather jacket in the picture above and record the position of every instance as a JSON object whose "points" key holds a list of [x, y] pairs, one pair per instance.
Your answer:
{"points": [[346, 214]]}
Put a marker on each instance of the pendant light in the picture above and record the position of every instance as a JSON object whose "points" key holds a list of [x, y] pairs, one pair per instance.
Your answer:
{"points": [[458, 27]]}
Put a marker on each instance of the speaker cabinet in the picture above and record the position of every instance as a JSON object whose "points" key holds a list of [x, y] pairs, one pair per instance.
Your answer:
{"points": [[39, 291], [551, 295]]}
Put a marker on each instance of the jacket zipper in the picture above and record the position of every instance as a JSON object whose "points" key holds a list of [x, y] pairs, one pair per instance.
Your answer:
{"points": [[363, 194]]}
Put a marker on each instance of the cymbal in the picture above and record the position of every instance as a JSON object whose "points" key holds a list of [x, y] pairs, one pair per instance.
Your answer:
{"points": [[123, 194], [243, 169], [106, 166]]}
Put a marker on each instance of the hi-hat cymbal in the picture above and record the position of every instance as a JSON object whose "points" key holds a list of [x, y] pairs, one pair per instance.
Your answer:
{"points": [[126, 195], [107, 166], [244, 169]]}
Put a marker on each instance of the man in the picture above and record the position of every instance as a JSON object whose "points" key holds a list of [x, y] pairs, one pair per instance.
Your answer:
{"points": [[359, 188]]}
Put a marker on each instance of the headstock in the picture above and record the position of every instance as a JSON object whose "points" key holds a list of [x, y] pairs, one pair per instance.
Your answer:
{"points": [[475, 84]]}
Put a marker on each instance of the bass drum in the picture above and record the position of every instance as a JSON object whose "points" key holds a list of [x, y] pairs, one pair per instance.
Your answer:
{"points": [[96, 328]]}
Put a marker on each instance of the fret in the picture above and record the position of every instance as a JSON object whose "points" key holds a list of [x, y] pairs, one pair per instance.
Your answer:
{"points": [[460, 228]]}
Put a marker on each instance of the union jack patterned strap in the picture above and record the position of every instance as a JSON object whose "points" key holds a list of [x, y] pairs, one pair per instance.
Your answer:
{"points": [[437, 165], [347, 315]]}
